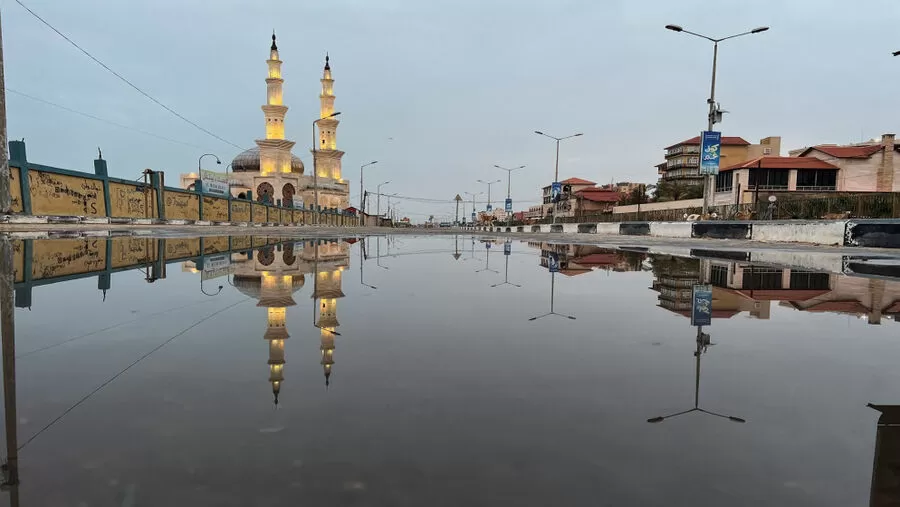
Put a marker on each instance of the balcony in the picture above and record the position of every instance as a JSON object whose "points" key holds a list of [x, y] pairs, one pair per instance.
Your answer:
{"points": [[822, 188], [672, 174]]}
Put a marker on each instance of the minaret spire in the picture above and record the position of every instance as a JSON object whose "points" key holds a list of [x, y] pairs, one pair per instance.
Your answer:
{"points": [[327, 65], [274, 47]]}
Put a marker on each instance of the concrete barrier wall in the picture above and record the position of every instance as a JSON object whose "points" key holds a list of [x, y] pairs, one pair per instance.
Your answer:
{"points": [[53, 193], [821, 233], [570, 228], [608, 228], [670, 229], [131, 201], [873, 233]]}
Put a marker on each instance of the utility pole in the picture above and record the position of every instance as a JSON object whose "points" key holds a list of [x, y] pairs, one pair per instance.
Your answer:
{"points": [[457, 199], [5, 198]]}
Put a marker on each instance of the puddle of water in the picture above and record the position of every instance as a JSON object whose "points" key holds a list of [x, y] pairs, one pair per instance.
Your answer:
{"points": [[450, 370]]}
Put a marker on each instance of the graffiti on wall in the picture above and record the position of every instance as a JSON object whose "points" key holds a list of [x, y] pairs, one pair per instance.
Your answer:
{"points": [[215, 209], [259, 214], [18, 247], [178, 248], [15, 189], [182, 206], [56, 194], [131, 251], [240, 211], [59, 257], [132, 201], [215, 244]]}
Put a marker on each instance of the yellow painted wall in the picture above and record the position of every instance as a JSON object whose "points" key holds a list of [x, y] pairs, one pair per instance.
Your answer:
{"points": [[15, 189], [59, 257], [285, 216], [240, 211], [215, 209], [182, 247], [18, 247], [131, 201], [259, 213], [182, 206], [215, 244], [240, 242], [734, 155], [132, 251], [56, 194], [259, 240]]}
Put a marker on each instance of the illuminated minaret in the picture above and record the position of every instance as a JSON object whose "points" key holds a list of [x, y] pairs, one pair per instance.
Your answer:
{"points": [[327, 292], [275, 296], [274, 150], [328, 157]]}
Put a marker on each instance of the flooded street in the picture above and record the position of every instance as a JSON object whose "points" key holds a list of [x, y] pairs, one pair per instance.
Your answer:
{"points": [[447, 371]]}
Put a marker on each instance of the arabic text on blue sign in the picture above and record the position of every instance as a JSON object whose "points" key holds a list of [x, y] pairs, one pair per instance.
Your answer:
{"points": [[701, 305], [710, 152], [508, 205]]}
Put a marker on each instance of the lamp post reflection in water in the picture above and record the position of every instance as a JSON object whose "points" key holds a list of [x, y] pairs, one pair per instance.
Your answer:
{"points": [[507, 251], [703, 343], [885, 490], [552, 296], [487, 260], [362, 262]]}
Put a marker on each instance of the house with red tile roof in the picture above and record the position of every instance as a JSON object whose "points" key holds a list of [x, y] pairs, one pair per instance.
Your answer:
{"points": [[682, 162], [752, 180], [578, 198], [866, 167]]}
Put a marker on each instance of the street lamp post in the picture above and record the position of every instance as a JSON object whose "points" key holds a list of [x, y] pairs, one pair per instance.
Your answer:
{"points": [[508, 186], [556, 165], [488, 207], [361, 194], [473, 204], [315, 169], [200, 160], [379, 197], [713, 117]]}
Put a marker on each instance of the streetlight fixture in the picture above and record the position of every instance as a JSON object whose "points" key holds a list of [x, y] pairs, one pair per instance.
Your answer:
{"points": [[362, 201], [379, 196], [216, 293], [714, 112], [315, 169], [508, 186], [556, 165], [200, 169], [488, 207], [896, 53]]}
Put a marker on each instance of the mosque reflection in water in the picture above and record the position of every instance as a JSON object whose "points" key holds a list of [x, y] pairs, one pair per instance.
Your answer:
{"points": [[272, 271], [272, 275]]}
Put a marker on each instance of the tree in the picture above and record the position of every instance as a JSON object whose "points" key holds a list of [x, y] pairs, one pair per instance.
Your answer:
{"points": [[637, 195], [675, 191]]}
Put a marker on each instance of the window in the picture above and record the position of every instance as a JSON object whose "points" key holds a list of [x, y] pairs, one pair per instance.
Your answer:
{"points": [[719, 276], [812, 281], [769, 179], [725, 181], [767, 151], [761, 278], [810, 179]]}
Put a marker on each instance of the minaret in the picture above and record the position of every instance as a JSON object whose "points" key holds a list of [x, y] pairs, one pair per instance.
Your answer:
{"points": [[328, 157], [327, 292], [274, 150]]}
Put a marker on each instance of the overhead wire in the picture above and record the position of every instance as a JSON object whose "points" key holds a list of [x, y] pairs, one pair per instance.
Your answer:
{"points": [[123, 79], [104, 120]]}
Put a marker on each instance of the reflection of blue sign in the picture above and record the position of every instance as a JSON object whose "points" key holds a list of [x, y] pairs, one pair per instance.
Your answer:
{"points": [[508, 205], [507, 248], [489, 207], [710, 148], [555, 191], [701, 305], [553, 262], [473, 216]]}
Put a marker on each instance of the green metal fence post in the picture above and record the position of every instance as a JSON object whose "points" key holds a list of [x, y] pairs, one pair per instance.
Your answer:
{"points": [[18, 158]]}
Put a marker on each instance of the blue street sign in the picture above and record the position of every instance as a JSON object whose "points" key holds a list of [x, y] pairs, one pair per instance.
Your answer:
{"points": [[489, 207], [507, 248], [710, 151], [473, 217], [555, 191], [508, 205], [701, 305], [553, 262]]}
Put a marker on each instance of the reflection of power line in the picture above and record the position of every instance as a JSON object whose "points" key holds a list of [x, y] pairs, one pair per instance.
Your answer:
{"points": [[122, 371], [702, 344]]}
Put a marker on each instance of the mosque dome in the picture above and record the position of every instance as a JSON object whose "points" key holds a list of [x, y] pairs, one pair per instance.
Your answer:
{"points": [[248, 161]]}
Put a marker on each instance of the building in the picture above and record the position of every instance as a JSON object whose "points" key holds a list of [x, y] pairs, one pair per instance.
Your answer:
{"points": [[270, 172], [682, 163], [866, 167], [753, 180], [578, 197]]}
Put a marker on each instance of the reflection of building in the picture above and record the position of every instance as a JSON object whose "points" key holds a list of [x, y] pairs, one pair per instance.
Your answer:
{"points": [[579, 259], [270, 171], [885, 490]]}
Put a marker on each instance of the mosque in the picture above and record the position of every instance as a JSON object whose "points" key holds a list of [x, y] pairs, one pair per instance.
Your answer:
{"points": [[270, 172]]}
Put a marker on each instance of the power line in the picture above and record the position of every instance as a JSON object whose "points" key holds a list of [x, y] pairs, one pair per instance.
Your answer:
{"points": [[104, 120], [121, 372], [122, 78]]}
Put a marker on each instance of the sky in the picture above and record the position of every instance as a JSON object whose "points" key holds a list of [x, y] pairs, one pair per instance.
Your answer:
{"points": [[440, 91]]}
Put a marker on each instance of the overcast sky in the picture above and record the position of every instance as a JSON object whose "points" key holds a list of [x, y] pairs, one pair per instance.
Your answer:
{"points": [[440, 91]]}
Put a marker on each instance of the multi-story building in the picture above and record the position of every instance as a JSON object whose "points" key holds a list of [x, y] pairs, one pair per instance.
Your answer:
{"points": [[683, 159]]}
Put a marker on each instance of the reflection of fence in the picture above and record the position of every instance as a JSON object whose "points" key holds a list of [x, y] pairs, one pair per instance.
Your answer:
{"points": [[788, 206], [41, 190]]}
